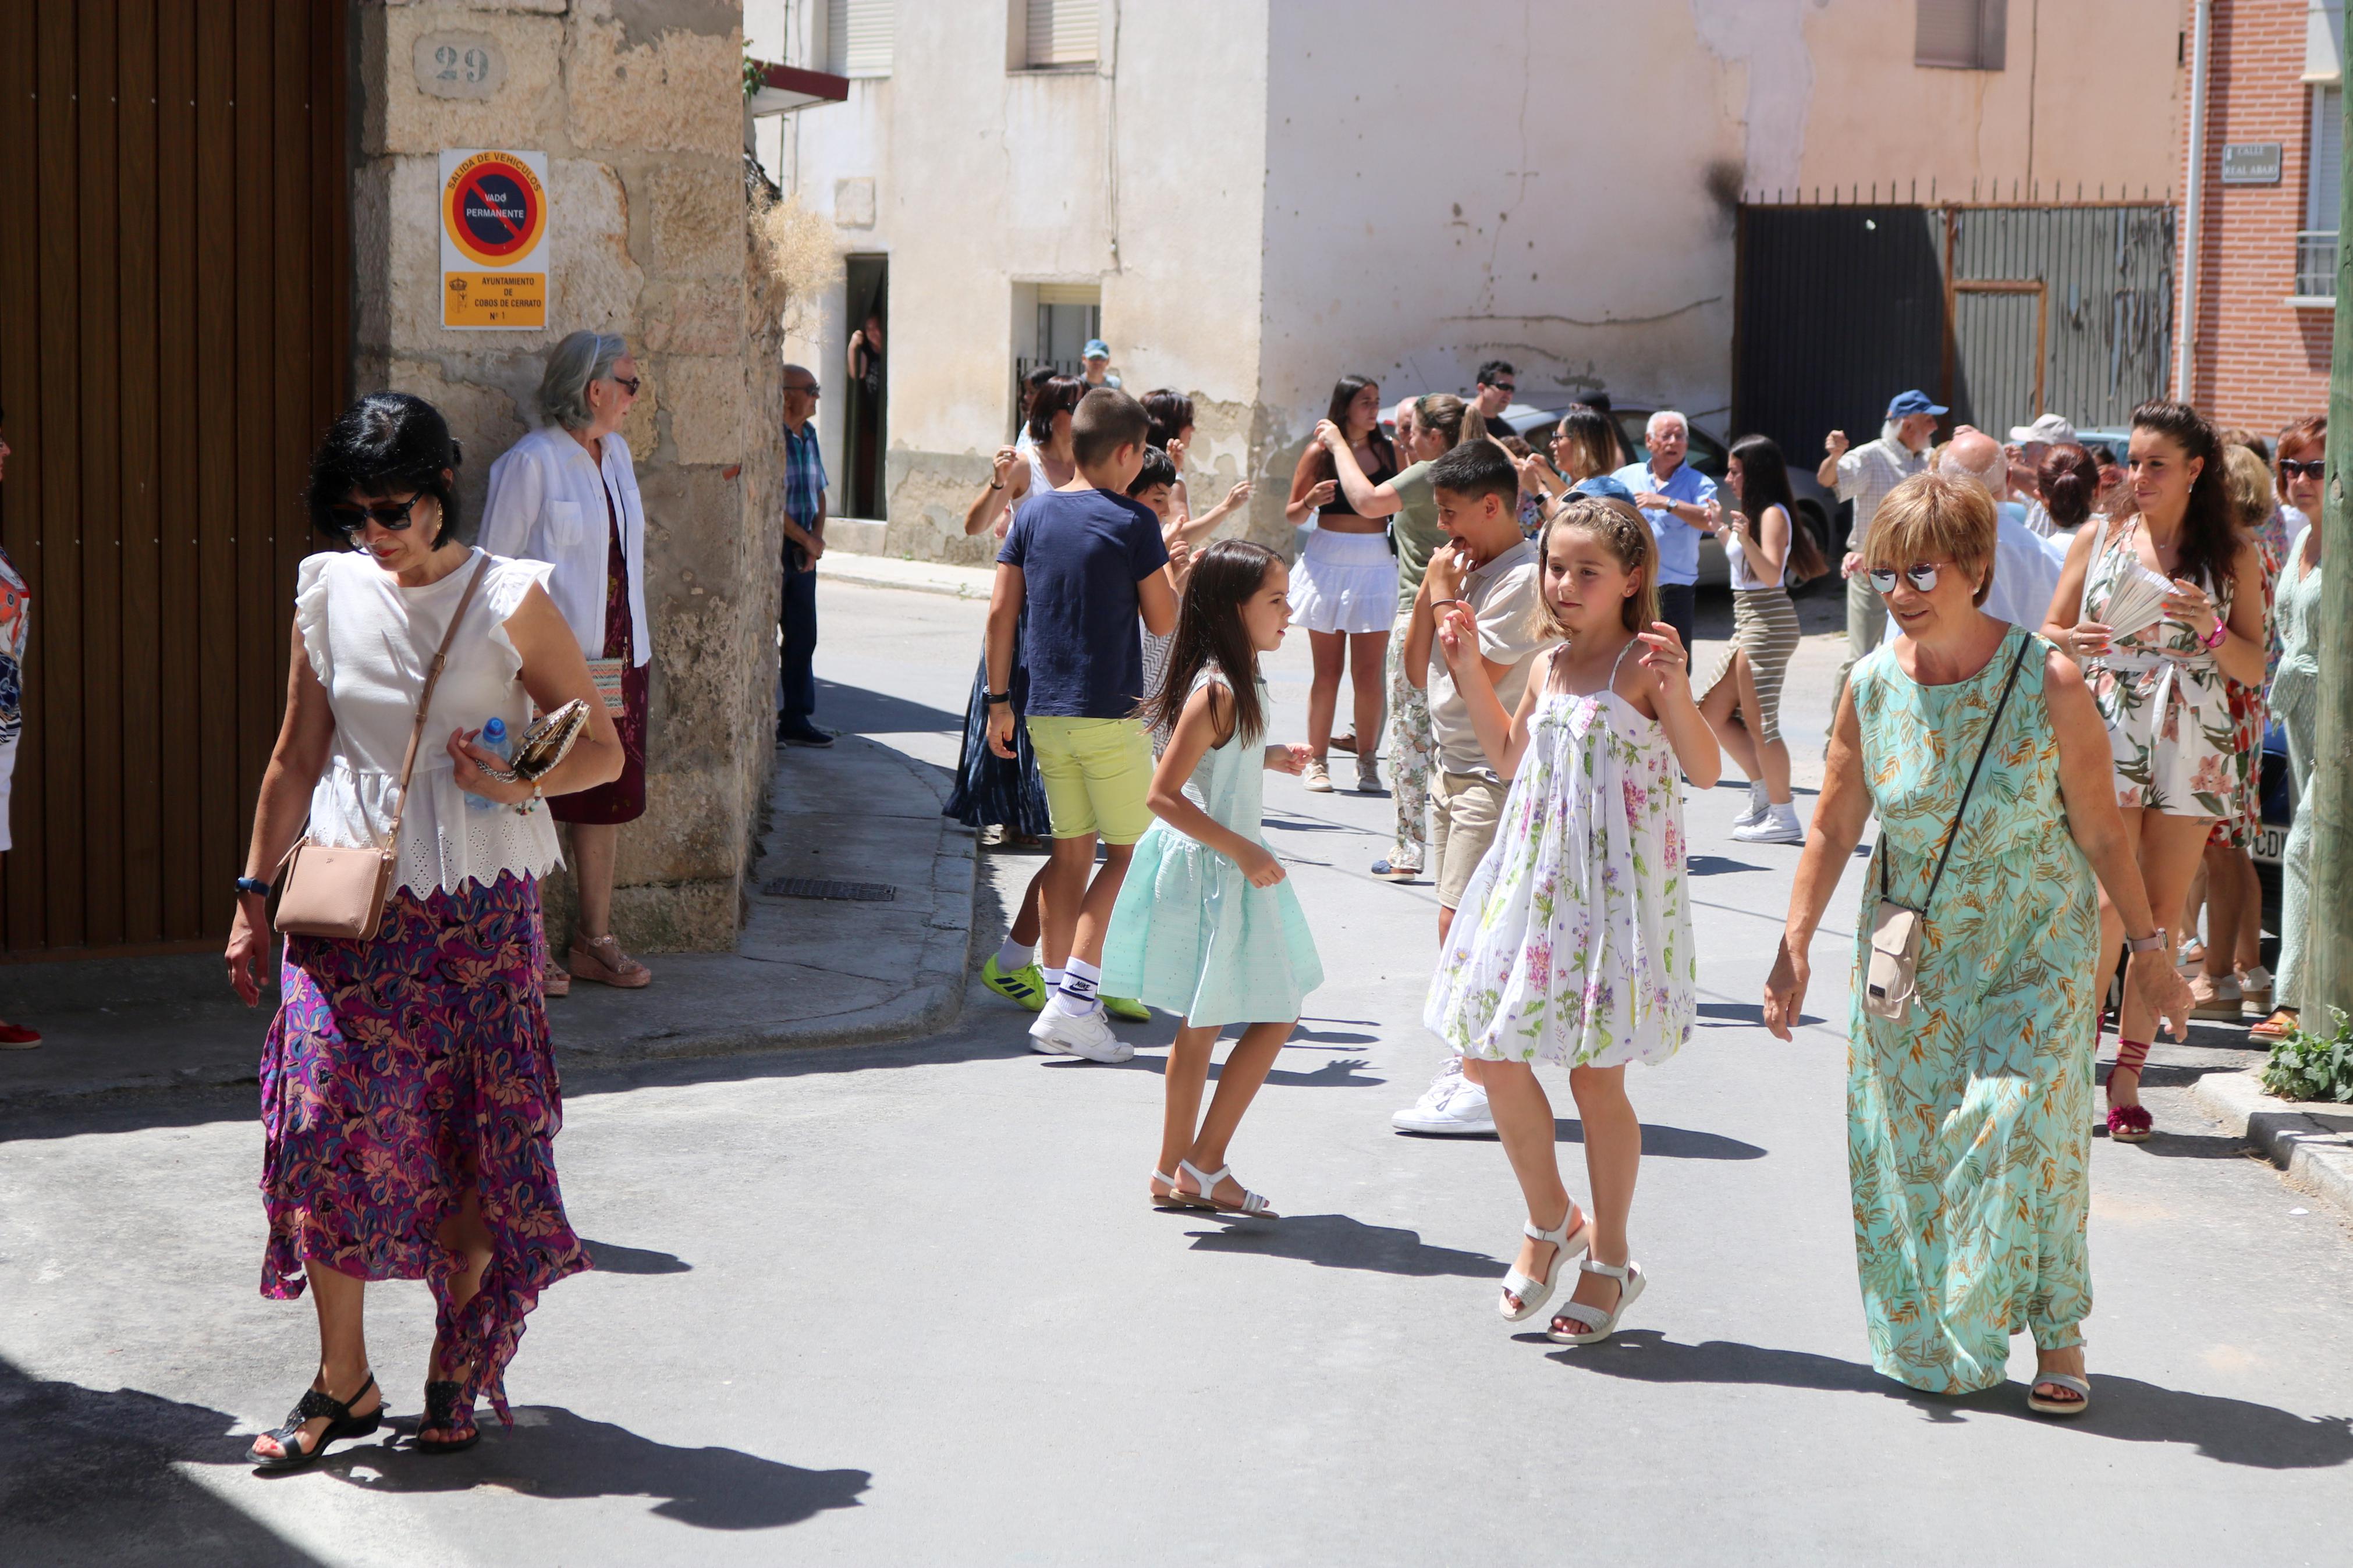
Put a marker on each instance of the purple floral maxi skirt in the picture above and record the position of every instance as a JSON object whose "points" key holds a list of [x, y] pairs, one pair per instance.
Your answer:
{"points": [[399, 1073]]}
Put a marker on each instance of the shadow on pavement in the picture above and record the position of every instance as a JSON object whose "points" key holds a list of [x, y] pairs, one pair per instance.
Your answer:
{"points": [[607, 1257], [1717, 865], [552, 1453], [2233, 1431], [1668, 1142], [861, 710], [1336, 1241], [89, 1476], [1338, 1073]]}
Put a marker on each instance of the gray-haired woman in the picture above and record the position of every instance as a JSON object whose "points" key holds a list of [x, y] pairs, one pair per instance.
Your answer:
{"points": [[565, 494]]}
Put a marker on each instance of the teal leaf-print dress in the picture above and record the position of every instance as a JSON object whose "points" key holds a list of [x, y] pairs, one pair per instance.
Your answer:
{"points": [[1968, 1124], [1574, 941]]}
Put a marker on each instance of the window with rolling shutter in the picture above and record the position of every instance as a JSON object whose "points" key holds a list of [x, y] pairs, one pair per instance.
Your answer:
{"points": [[1961, 35], [857, 36], [1061, 32]]}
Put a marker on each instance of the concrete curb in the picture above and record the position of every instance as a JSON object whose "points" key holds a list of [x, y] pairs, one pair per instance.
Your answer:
{"points": [[2313, 1146], [917, 576]]}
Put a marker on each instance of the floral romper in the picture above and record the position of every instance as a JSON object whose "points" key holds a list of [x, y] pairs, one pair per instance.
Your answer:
{"points": [[2163, 699]]}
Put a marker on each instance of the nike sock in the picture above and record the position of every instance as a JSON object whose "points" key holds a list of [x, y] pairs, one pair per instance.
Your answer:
{"points": [[1013, 955], [1078, 988]]}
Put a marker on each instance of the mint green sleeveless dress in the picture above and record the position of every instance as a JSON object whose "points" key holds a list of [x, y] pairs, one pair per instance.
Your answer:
{"points": [[1189, 935], [1968, 1125]]}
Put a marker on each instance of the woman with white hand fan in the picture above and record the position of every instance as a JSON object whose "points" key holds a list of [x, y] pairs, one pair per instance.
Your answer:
{"points": [[2157, 608]]}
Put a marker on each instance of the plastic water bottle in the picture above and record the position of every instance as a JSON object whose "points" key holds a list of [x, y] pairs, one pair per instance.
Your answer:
{"points": [[493, 738]]}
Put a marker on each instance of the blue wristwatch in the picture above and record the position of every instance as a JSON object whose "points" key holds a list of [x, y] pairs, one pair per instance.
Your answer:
{"points": [[254, 885]]}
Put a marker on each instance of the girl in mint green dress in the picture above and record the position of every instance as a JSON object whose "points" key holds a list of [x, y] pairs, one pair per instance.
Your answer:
{"points": [[1206, 926]]}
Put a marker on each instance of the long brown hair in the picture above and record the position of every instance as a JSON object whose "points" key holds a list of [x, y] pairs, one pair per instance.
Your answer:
{"points": [[1209, 631], [2210, 533]]}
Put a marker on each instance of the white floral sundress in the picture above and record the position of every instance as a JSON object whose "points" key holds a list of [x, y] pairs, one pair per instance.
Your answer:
{"points": [[2165, 701], [1574, 941]]}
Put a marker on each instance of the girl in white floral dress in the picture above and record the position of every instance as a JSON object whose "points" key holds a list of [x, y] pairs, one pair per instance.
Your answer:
{"points": [[1574, 941]]}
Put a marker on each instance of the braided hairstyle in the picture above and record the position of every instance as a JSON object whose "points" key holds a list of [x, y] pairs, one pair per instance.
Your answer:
{"points": [[1624, 533]]}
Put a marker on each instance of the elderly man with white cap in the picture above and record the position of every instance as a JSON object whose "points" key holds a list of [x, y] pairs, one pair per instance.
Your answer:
{"points": [[1864, 476], [2028, 443]]}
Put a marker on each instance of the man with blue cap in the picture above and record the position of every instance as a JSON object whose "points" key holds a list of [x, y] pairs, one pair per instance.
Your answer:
{"points": [[1864, 476], [1097, 358]]}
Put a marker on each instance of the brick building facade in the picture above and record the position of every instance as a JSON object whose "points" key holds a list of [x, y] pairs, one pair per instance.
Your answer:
{"points": [[2266, 237]]}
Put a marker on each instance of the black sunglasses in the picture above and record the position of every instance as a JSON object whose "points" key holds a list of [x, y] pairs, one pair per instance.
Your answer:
{"points": [[630, 381], [348, 521], [812, 391], [2302, 469]]}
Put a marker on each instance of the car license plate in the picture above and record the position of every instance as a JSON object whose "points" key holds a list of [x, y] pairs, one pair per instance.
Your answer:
{"points": [[2268, 843]]}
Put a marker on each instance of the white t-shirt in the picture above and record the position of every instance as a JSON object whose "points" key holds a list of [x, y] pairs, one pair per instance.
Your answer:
{"points": [[370, 642], [1502, 595]]}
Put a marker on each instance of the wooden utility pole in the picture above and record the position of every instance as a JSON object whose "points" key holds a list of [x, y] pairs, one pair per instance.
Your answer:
{"points": [[2328, 972]]}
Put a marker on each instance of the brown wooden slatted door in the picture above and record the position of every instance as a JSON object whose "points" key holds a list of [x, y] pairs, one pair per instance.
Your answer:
{"points": [[173, 338]]}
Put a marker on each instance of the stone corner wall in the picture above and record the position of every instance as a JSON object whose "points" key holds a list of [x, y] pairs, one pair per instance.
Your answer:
{"points": [[637, 105]]}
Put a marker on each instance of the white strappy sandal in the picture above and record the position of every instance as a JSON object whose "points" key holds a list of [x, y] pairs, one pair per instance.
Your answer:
{"points": [[1252, 1204], [1534, 1293], [1599, 1325], [1169, 1199]]}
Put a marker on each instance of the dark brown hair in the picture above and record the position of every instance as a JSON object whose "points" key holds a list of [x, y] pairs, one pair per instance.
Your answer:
{"points": [[1058, 396], [1105, 420], [2209, 531], [2069, 483], [1209, 631], [1170, 412]]}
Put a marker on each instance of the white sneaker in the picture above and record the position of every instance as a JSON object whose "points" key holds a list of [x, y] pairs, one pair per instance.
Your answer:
{"points": [[1758, 804], [1452, 1107], [1779, 825], [1368, 775], [1061, 1033], [1316, 777]]}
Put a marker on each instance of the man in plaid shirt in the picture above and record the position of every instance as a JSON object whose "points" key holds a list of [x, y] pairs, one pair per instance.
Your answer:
{"points": [[804, 547], [1864, 476]]}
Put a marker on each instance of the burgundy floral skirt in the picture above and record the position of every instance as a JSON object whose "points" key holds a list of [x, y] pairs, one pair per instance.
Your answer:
{"points": [[400, 1074]]}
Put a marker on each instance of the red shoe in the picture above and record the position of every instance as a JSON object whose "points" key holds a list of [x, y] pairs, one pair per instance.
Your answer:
{"points": [[2129, 1124], [17, 1038]]}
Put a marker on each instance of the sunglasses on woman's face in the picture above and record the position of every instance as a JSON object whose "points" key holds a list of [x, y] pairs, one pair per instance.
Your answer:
{"points": [[1922, 577], [628, 384], [349, 520], [2301, 468]]}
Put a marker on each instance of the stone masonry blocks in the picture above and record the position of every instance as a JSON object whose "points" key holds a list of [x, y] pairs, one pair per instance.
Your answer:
{"points": [[655, 96]]}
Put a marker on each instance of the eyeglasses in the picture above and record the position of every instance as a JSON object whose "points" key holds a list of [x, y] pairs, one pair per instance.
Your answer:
{"points": [[812, 391], [348, 521], [628, 384], [2301, 468], [1922, 577], [1504, 385]]}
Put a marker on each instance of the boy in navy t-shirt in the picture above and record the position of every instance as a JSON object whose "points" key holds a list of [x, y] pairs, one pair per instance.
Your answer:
{"points": [[1084, 562]]}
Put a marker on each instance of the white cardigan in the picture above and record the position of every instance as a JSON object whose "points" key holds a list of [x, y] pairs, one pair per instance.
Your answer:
{"points": [[546, 502]]}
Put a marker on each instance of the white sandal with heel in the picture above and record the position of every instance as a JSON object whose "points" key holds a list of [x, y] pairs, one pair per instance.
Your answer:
{"points": [[1599, 1325], [1253, 1205], [1534, 1293]]}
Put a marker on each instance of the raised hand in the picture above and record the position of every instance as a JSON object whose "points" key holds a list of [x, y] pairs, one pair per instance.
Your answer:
{"points": [[1835, 443], [1293, 759], [1322, 492], [1663, 657]]}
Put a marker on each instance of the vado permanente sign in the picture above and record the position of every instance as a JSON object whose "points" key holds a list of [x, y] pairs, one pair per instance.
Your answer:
{"points": [[494, 240]]}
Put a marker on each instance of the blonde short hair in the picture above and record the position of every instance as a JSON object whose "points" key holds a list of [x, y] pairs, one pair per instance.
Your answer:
{"points": [[2248, 484], [1935, 517]]}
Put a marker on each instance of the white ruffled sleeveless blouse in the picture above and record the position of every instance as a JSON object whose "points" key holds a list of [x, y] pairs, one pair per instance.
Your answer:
{"points": [[370, 642]]}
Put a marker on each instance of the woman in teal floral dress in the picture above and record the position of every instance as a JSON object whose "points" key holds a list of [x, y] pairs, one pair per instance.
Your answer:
{"points": [[2158, 676], [1969, 1120]]}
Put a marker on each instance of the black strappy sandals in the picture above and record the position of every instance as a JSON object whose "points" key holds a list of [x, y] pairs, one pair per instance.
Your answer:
{"points": [[340, 1424]]}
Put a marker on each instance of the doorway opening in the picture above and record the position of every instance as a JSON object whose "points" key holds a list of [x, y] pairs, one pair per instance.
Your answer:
{"points": [[865, 429]]}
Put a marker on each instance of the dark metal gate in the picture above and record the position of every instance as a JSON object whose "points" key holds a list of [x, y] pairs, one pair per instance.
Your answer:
{"points": [[2001, 312]]}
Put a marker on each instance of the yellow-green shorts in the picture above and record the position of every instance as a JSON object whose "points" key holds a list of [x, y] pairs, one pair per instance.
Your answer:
{"points": [[1097, 774]]}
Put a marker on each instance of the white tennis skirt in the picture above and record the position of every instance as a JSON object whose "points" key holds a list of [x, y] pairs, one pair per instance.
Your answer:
{"points": [[1345, 583]]}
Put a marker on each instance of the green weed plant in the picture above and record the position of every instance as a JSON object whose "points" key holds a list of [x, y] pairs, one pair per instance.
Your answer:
{"points": [[2306, 1065]]}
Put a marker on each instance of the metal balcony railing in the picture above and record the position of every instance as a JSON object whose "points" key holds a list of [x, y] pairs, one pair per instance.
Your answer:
{"points": [[2316, 263]]}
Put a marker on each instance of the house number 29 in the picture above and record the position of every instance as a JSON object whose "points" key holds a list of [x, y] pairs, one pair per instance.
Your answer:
{"points": [[459, 65], [476, 63]]}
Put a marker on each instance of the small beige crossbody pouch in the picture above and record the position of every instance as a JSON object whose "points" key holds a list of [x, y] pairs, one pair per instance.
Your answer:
{"points": [[1891, 975], [327, 890]]}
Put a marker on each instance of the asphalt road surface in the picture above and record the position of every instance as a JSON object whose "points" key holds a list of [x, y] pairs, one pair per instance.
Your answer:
{"points": [[908, 1305]]}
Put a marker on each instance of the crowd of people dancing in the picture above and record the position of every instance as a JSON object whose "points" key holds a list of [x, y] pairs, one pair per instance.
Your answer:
{"points": [[1515, 628]]}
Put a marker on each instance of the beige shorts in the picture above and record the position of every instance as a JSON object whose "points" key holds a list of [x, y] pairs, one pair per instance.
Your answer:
{"points": [[1463, 811]]}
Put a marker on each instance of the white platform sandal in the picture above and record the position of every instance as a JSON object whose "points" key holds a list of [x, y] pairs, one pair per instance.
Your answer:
{"points": [[1599, 1325], [2079, 1387], [1534, 1293], [1252, 1204]]}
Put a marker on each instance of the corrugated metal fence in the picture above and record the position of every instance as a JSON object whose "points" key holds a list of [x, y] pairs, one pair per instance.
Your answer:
{"points": [[173, 282], [2002, 313]]}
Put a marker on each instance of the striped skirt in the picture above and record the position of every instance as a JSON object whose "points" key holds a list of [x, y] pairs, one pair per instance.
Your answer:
{"points": [[1765, 628]]}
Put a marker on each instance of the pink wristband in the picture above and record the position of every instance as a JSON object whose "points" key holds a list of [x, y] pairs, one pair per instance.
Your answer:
{"points": [[2222, 634]]}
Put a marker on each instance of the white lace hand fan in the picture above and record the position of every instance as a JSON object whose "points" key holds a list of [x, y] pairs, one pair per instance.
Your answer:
{"points": [[2135, 603]]}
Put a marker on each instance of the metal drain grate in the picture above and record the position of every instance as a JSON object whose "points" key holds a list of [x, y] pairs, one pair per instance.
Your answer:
{"points": [[818, 888]]}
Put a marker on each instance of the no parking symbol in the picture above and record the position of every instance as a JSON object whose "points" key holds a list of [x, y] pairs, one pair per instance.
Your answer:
{"points": [[494, 219]]}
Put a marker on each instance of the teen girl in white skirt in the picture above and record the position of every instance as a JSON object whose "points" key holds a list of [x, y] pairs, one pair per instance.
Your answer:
{"points": [[1344, 588]]}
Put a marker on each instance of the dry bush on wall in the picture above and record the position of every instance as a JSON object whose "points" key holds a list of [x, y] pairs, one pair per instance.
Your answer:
{"points": [[795, 249]]}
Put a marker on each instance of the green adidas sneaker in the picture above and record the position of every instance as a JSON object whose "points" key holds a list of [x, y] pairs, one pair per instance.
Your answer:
{"points": [[1128, 1008], [1025, 984]]}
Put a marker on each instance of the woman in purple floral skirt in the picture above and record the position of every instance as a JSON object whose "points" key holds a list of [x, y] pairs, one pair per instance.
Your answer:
{"points": [[409, 1100]]}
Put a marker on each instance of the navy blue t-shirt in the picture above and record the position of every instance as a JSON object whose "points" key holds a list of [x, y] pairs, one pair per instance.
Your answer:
{"points": [[1082, 553]]}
